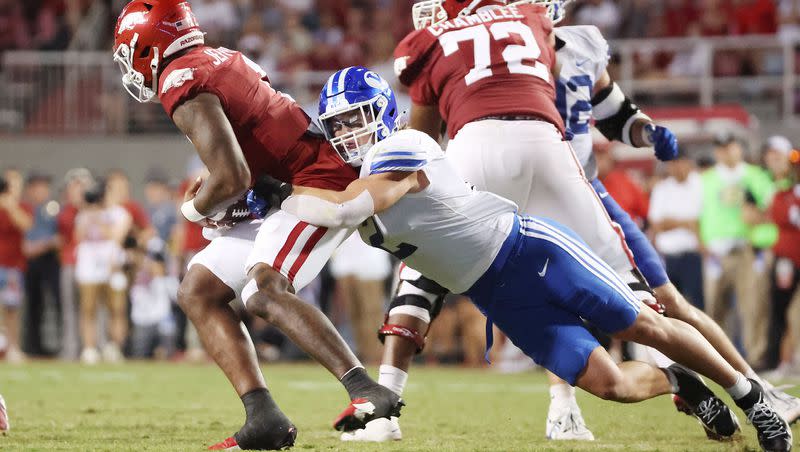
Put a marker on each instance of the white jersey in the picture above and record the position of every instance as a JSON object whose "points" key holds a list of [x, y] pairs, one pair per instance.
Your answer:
{"points": [[583, 59], [449, 231]]}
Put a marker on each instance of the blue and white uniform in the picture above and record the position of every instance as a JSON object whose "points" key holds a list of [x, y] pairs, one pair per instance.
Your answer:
{"points": [[583, 59], [534, 279]]}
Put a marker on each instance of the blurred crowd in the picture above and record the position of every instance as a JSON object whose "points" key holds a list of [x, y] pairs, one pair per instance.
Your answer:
{"points": [[728, 229], [88, 273]]}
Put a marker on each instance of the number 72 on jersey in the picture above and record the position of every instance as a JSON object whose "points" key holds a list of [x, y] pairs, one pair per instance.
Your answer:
{"points": [[513, 54]]}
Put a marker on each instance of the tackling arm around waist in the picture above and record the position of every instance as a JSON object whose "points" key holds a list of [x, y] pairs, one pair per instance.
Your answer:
{"points": [[349, 208]]}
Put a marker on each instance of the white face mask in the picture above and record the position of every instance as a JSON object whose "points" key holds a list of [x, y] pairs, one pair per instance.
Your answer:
{"points": [[427, 13], [353, 130], [132, 80]]}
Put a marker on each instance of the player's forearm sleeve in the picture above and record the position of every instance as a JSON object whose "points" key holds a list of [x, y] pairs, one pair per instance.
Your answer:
{"points": [[615, 114], [328, 214]]}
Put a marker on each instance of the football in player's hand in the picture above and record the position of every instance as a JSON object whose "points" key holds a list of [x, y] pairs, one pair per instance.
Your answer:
{"points": [[235, 213]]}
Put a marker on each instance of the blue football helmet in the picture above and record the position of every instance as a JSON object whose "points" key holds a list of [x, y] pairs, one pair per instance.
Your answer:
{"points": [[357, 108]]}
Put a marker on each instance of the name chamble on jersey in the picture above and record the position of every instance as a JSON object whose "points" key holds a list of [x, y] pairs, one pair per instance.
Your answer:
{"points": [[481, 17]]}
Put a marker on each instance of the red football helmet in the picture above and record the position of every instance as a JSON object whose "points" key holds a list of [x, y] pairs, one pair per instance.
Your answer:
{"points": [[456, 8], [148, 31]]}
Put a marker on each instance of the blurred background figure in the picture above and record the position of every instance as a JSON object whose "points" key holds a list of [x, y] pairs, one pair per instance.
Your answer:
{"points": [[152, 294], [784, 325], [76, 182], [159, 203], [730, 265], [42, 287], [100, 231], [360, 272], [675, 207], [15, 221]]}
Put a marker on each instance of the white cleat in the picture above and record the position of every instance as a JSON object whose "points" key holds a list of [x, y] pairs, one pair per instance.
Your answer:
{"points": [[377, 431], [90, 356], [15, 356], [112, 354], [787, 406], [5, 425], [567, 424]]}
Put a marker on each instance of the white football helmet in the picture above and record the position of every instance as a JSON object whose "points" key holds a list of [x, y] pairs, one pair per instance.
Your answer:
{"points": [[427, 13]]}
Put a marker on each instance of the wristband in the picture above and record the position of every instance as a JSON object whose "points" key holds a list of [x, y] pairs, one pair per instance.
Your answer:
{"points": [[190, 212]]}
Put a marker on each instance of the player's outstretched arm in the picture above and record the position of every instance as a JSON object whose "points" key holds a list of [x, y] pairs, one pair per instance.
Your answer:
{"points": [[349, 208], [620, 119], [203, 121]]}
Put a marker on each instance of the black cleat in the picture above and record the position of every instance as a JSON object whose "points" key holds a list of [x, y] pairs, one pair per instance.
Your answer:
{"points": [[377, 402], [696, 399], [774, 434]]}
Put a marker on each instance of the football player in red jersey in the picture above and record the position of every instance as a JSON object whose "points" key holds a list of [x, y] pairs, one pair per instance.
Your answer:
{"points": [[242, 128]]}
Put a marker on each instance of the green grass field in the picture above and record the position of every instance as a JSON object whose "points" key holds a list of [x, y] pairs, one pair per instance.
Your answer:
{"points": [[143, 406]]}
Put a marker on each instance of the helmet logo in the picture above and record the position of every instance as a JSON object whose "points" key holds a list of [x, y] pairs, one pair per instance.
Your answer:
{"points": [[130, 21], [375, 81]]}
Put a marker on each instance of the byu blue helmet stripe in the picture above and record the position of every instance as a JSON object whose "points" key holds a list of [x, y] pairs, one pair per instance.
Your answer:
{"points": [[398, 153], [386, 166]]}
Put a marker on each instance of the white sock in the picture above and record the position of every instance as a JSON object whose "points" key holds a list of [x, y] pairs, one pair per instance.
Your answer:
{"points": [[392, 378], [561, 394], [741, 388], [751, 374]]}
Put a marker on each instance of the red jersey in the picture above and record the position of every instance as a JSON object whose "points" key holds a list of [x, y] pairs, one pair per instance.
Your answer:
{"points": [[11, 243], [138, 214], [66, 229], [496, 62], [785, 212], [628, 194], [271, 128]]}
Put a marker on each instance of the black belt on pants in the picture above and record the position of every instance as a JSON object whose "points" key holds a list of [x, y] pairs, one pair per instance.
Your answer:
{"points": [[511, 118]]}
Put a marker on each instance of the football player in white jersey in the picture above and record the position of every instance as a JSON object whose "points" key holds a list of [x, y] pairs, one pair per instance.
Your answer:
{"points": [[411, 201], [584, 90]]}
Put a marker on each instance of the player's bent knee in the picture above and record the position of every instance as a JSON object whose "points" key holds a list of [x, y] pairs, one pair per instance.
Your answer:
{"points": [[191, 295], [264, 286]]}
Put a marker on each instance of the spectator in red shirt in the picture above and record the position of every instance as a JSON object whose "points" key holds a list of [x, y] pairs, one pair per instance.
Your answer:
{"points": [[785, 212], [76, 182], [14, 222], [623, 188], [754, 17]]}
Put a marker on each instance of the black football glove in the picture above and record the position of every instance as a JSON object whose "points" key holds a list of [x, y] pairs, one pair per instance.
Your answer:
{"points": [[272, 190]]}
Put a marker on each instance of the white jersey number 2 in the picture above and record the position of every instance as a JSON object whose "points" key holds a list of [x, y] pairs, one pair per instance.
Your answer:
{"points": [[513, 54]]}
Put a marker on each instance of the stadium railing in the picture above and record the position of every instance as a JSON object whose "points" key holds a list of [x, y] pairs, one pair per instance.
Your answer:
{"points": [[78, 93]]}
